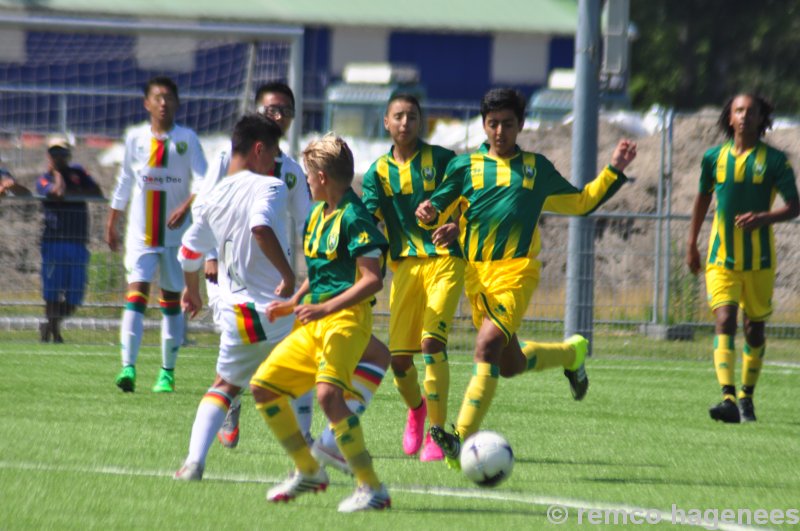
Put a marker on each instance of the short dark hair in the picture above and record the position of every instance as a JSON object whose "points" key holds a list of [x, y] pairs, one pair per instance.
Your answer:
{"points": [[764, 106], [406, 97], [274, 86], [252, 128], [498, 99], [161, 81]]}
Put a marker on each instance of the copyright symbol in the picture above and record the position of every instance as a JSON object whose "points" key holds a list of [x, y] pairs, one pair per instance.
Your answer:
{"points": [[557, 514]]}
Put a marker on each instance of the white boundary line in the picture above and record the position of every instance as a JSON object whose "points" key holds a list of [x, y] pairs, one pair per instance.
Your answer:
{"points": [[551, 502]]}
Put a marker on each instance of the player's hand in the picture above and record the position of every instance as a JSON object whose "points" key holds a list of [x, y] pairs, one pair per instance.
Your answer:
{"points": [[693, 259], [277, 309], [445, 235], [285, 288], [112, 237], [191, 303], [310, 312], [624, 154], [212, 270], [177, 217], [426, 212], [749, 220]]}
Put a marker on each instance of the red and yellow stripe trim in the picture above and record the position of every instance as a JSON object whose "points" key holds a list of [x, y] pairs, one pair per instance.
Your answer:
{"points": [[155, 218], [248, 323], [136, 301]]}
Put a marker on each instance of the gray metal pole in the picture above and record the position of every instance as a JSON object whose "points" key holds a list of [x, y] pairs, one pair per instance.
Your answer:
{"points": [[296, 82], [580, 258]]}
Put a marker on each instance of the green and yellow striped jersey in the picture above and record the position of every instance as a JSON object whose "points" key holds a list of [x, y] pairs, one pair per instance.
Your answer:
{"points": [[332, 244], [391, 191], [501, 200], [744, 183]]}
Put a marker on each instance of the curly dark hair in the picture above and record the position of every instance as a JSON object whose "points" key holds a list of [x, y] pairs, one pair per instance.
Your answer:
{"points": [[764, 106]]}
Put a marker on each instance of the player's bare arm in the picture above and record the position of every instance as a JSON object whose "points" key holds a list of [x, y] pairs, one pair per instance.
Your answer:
{"points": [[112, 235], [445, 235], [191, 302], [699, 211], [268, 243], [179, 214], [426, 212], [754, 220], [278, 309], [369, 283]]}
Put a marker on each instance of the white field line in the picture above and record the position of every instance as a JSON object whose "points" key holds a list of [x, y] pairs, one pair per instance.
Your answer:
{"points": [[551, 502]]}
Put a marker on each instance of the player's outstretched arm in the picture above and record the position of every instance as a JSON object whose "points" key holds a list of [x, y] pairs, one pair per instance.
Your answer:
{"points": [[369, 283], [191, 302], [278, 309]]}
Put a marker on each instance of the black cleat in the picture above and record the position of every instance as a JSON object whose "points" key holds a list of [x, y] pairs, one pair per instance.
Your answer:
{"points": [[746, 409], [578, 382], [726, 411], [450, 443]]}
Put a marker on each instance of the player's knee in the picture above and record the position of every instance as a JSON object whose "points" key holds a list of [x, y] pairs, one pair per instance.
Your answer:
{"points": [[377, 353], [261, 395], [330, 399], [432, 345], [402, 363]]}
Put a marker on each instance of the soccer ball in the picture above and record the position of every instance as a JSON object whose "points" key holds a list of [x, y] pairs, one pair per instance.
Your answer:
{"points": [[487, 458]]}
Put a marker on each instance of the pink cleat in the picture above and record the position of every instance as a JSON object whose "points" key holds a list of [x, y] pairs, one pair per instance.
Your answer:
{"points": [[431, 450], [415, 429]]}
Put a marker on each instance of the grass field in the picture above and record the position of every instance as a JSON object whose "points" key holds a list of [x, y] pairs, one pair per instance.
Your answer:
{"points": [[75, 453]]}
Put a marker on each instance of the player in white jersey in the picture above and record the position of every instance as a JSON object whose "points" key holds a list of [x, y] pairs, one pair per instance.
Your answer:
{"points": [[244, 217], [162, 170]]}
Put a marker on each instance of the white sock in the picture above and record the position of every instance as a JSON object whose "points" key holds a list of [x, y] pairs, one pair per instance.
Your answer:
{"points": [[130, 336], [171, 339], [209, 419], [303, 407]]}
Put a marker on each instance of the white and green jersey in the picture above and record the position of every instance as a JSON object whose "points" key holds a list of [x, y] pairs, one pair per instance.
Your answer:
{"points": [[158, 173]]}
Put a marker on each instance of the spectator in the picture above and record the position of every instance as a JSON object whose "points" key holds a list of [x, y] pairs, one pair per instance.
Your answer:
{"points": [[66, 232]]}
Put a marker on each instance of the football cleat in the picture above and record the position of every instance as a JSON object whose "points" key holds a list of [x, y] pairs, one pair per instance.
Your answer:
{"points": [[415, 429], [450, 444], [430, 450], [576, 373], [189, 472], [126, 379], [165, 383], [330, 456], [726, 411], [228, 434], [366, 499], [298, 484], [747, 412]]}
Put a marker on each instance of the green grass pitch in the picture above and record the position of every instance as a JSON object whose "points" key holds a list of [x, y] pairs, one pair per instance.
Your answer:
{"points": [[75, 453]]}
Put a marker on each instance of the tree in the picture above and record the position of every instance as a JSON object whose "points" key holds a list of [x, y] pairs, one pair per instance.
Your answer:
{"points": [[691, 53]]}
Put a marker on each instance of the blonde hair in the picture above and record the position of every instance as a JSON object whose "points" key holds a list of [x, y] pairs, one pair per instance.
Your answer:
{"points": [[332, 155]]}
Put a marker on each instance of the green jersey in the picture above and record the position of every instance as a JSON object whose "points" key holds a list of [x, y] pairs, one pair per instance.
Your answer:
{"points": [[391, 191], [501, 200], [744, 183], [333, 242]]}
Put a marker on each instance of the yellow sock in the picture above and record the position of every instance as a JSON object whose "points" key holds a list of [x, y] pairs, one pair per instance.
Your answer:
{"points": [[281, 419], [437, 386], [752, 361], [477, 399], [350, 440], [543, 356], [724, 364], [406, 382]]}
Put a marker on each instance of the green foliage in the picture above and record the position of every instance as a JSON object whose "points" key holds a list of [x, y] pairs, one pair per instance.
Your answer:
{"points": [[685, 297], [106, 275], [701, 52]]}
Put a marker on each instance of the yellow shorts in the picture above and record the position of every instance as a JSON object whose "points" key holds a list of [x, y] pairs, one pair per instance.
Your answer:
{"points": [[422, 302], [501, 291], [750, 290], [326, 350]]}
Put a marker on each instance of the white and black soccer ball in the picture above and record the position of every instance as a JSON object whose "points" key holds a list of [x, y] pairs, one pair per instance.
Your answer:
{"points": [[487, 458]]}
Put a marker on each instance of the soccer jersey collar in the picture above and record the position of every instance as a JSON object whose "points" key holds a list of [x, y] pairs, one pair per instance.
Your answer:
{"points": [[484, 150], [390, 154]]}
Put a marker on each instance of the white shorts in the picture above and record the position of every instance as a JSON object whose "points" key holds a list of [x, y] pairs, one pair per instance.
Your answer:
{"points": [[212, 292], [238, 359], [140, 266]]}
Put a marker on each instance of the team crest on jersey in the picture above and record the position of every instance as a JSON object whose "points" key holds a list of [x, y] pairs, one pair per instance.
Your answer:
{"points": [[476, 172], [428, 173], [758, 168], [333, 240], [291, 180], [181, 147], [529, 171]]}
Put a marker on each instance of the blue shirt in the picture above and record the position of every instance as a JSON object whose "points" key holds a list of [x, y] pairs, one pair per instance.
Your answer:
{"points": [[65, 219]]}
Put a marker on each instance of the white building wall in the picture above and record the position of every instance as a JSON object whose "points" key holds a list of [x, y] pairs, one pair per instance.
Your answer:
{"points": [[520, 59], [350, 44]]}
